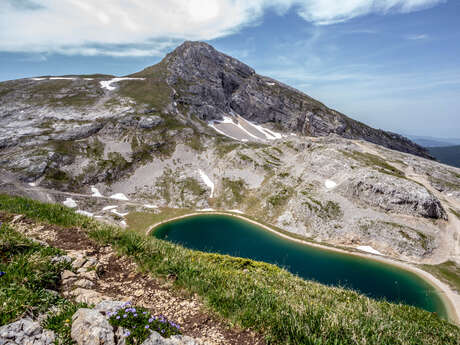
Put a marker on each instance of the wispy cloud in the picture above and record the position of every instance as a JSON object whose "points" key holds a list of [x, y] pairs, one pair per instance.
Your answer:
{"points": [[416, 37], [75, 26]]}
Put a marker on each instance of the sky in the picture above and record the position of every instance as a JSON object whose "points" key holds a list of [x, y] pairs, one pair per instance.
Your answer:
{"points": [[392, 64]]}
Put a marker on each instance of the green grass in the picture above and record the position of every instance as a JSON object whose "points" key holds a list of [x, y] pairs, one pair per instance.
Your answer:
{"points": [[25, 288], [368, 159], [448, 272], [457, 214], [263, 297]]}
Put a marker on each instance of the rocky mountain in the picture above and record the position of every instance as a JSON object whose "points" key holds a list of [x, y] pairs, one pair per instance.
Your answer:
{"points": [[201, 130]]}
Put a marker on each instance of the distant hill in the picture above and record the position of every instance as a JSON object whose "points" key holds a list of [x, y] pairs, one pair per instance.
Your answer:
{"points": [[447, 154], [433, 141]]}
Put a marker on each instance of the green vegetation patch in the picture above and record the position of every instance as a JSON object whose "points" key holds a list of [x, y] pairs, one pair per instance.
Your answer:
{"points": [[138, 324], [237, 189], [260, 296], [375, 162], [448, 272]]}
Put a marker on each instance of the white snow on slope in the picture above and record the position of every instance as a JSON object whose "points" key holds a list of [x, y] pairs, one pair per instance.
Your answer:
{"points": [[150, 206], [119, 213], [32, 184], [107, 84], [123, 224], [207, 181], [119, 196], [38, 78], [96, 192], [62, 78], [236, 211], [368, 249], [265, 134], [69, 202], [85, 213], [206, 210], [111, 207], [330, 184]]}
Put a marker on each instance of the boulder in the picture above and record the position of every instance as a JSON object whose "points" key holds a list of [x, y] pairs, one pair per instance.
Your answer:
{"points": [[89, 327], [150, 122]]}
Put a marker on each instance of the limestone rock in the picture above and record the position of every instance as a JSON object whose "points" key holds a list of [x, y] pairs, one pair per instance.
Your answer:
{"points": [[25, 332], [150, 122], [89, 327]]}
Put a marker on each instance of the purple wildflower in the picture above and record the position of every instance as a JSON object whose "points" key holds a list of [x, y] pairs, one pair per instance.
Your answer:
{"points": [[127, 334], [162, 331], [147, 327], [2, 273], [145, 313], [150, 320], [135, 315], [125, 316], [118, 317]]}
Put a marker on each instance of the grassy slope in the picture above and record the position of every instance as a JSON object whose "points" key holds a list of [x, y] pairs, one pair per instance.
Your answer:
{"points": [[287, 309], [24, 289]]}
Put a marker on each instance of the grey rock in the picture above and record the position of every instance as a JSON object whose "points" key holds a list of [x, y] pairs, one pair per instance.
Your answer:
{"points": [[84, 283], [150, 122], [77, 133], [78, 263], [109, 306], [156, 339], [394, 194], [25, 331], [89, 327]]}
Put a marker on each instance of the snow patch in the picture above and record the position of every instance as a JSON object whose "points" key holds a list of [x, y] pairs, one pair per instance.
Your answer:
{"points": [[207, 181], [32, 184], [69, 202], [107, 84], [206, 210], [62, 78], [119, 214], [111, 207], [150, 206], [236, 211], [330, 184], [271, 84], [96, 192], [38, 78], [119, 196], [268, 133], [368, 249], [85, 213], [123, 224]]}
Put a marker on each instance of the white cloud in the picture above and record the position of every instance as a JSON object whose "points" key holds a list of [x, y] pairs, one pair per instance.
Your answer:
{"points": [[148, 27], [416, 37]]}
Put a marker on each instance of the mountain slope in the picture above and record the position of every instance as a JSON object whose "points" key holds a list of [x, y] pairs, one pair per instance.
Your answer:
{"points": [[155, 137], [211, 85]]}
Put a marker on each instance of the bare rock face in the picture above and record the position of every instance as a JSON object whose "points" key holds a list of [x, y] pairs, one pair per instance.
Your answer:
{"points": [[212, 84], [394, 194], [89, 327]]}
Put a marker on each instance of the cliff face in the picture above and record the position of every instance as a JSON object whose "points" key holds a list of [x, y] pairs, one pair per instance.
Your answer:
{"points": [[211, 85]]}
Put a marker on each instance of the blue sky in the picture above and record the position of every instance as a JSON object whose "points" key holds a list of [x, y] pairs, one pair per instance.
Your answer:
{"points": [[393, 64]]}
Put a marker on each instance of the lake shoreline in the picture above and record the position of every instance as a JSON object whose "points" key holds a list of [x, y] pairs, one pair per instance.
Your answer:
{"points": [[450, 298]]}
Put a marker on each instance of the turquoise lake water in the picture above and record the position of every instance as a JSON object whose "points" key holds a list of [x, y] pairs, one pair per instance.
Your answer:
{"points": [[236, 237]]}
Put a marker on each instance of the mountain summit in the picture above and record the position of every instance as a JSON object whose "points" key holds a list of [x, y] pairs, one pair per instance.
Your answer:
{"points": [[212, 85]]}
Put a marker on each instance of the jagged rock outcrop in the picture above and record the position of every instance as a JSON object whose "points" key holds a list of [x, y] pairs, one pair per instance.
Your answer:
{"points": [[394, 194]]}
